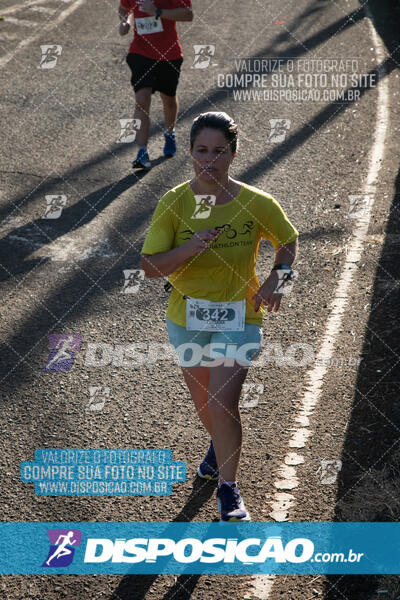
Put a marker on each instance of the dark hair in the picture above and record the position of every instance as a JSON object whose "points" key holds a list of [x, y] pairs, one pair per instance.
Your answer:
{"points": [[216, 120]]}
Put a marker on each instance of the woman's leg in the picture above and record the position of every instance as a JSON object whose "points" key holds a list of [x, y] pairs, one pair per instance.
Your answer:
{"points": [[197, 380], [226, 429], [142, 112]]}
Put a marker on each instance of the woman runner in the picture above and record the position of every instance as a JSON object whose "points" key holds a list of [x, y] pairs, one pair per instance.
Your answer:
{"points": [[205, 234]]}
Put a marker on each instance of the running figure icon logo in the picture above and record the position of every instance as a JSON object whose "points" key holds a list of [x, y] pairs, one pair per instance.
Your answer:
{"points": [[203, 206], [62, 352], [202, 55], [50, 54], [63, 543], [133, 279], [279, 129], [98, 397], [129, 129], [286, 279], [329, 471], [55, 205], [252, 392], [358, 205]]}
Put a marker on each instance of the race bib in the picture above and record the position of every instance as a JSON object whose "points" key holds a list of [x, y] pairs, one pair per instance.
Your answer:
{"points": [[146, 25], [206, 315]]}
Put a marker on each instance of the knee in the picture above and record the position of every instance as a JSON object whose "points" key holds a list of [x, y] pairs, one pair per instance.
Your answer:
{"points": [[222, 413]]}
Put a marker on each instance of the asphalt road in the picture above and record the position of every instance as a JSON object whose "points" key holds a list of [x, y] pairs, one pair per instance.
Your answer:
{"points": [[60, 132]]}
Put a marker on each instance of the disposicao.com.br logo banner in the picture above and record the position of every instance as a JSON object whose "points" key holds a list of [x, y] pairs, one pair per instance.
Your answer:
{"points": [[226, 548]]}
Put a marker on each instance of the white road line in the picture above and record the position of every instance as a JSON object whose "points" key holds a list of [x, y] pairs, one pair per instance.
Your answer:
{"points": [[67, 248], [23, 7], [261, 585], [7, 37], [21, 22], [46, 27], [43, 9]]}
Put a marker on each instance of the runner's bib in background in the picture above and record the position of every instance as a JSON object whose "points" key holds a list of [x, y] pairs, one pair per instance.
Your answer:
{"points": [[145, 25], [206, 315]]}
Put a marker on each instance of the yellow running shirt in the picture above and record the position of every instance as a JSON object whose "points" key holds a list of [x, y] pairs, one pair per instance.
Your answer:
{"points": [[226, 271]]}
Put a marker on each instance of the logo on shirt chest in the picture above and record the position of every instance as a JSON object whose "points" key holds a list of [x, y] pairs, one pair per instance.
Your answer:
{"points": [[227, 229]]}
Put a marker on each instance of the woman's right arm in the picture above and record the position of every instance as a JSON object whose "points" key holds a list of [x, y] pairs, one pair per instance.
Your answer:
{"points": [[165, 263]]}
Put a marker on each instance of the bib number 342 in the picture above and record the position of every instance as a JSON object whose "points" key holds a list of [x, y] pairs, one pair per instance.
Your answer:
{"points": [[206, 315]]}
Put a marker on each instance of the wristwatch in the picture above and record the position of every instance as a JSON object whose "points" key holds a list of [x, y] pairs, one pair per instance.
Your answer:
{"points": [[282, 267], [158, 12]]}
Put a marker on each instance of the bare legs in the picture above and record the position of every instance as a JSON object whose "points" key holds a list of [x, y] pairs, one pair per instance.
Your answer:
{"points": [[142, 112], [224, 393], [170, 105], [216, 392], [197, 380]]}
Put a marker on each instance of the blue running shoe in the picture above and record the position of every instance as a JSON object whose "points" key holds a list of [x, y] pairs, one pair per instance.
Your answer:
{"points": [[230, 504], [142, 160], [208, 469], [170, 144]]}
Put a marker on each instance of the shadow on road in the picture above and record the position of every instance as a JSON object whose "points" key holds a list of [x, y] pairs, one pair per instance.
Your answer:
{"points": [[369, 483], [376, 404], [137, 586], [75, 296], [36, 234], [210, 98]]}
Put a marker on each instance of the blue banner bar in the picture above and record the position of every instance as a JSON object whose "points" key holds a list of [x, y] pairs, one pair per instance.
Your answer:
{"points": [[199, 548]]}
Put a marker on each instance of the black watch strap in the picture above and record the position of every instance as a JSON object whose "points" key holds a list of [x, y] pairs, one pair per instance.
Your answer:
{"points": [[282, 267]]}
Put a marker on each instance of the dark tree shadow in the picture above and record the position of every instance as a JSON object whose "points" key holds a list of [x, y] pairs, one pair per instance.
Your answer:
{"points": [[82, 288], [369, 482], [209, 99], [40, 232], [79, 291], [137, 586]]}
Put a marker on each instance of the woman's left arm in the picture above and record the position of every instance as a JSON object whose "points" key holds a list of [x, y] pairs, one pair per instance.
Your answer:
{"points": [[171, 14], [267, 292]]}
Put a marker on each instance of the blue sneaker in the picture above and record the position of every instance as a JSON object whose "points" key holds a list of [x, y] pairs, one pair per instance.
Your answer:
{"points": [[142, 160], [230, 504], [170, 144], [208, 469]]}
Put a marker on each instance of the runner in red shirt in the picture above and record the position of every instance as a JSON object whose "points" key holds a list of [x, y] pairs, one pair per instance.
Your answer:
{"points": [[155, 59]]}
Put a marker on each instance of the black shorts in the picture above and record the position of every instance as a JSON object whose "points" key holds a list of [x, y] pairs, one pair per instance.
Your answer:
{"points": [[160, 75]]}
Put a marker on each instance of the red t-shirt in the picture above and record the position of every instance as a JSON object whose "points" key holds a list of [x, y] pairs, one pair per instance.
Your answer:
{"points": [[163, 42]]}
